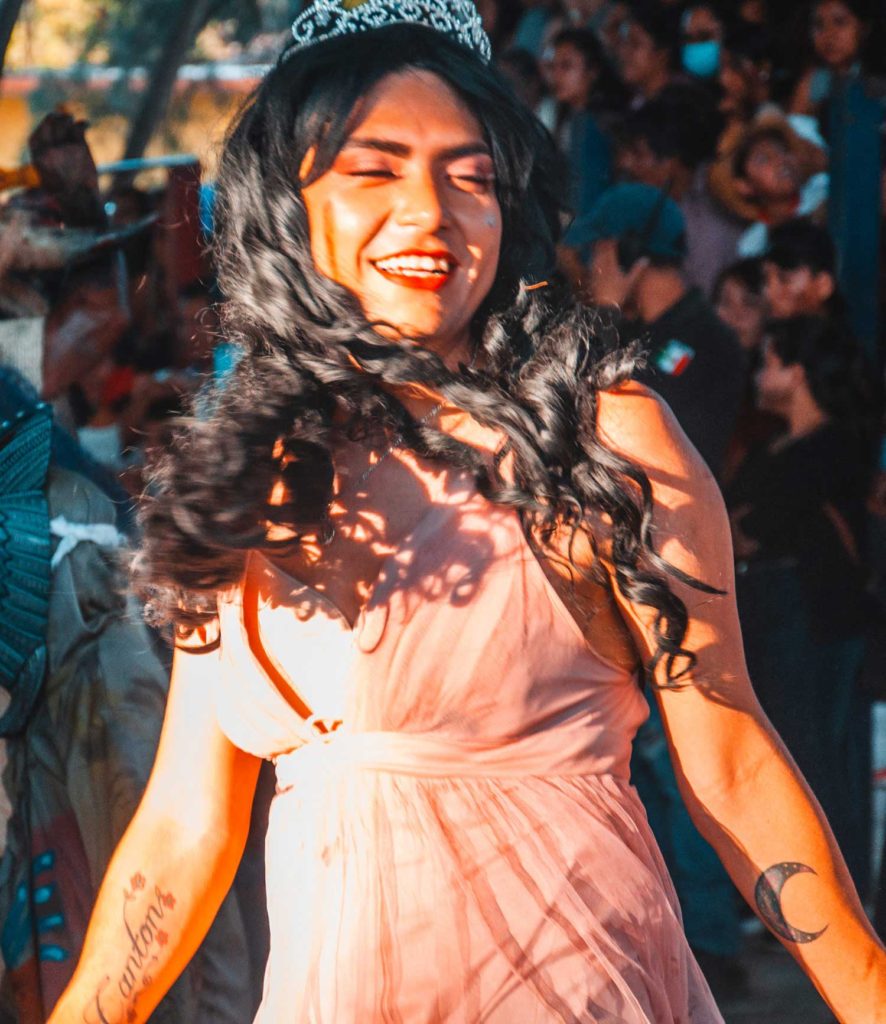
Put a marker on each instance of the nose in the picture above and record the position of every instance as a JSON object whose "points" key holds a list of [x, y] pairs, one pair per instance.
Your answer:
{"points": [[422, 201]]}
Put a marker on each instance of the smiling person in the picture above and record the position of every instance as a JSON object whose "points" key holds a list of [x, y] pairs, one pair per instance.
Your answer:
{"points": [[418, 558]]}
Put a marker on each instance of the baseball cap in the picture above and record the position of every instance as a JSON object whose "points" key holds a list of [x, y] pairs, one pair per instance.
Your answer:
{"points": [[632, 209]]}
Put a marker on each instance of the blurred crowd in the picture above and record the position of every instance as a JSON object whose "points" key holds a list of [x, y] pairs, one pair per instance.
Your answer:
{"points": [[725, 164], [725, 172]]}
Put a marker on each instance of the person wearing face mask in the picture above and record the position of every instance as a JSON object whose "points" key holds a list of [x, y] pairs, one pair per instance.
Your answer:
{"points": [[417, 556], [702, 37]]}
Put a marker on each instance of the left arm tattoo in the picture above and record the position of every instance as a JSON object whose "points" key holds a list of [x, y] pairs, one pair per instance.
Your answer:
{"points": [[767, 896]]}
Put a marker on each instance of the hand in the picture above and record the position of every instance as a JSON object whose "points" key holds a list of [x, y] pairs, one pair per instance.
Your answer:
{"points": [[608, 284], [67, 170]]}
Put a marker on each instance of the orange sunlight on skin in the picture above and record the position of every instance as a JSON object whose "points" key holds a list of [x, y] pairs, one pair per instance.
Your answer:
{"points": [[415, 181]]}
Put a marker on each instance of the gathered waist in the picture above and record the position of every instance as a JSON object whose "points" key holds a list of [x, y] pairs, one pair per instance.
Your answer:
{"points": [[428, 755]]}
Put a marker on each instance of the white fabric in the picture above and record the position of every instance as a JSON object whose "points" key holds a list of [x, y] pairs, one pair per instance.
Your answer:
{"points": [[814, 194], [105, 535]]}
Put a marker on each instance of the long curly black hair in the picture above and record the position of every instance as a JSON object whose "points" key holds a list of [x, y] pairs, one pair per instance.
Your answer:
{"points": [[310, 354]]}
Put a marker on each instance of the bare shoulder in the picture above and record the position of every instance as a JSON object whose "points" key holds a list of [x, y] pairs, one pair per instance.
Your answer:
{"points": [[689, 515], [635, 422]]}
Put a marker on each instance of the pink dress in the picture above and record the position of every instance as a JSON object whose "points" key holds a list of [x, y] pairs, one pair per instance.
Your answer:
{"points": [[467, 846]]}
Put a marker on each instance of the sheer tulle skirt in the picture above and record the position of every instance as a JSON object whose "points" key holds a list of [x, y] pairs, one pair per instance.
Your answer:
{"points": [[414, 897]]}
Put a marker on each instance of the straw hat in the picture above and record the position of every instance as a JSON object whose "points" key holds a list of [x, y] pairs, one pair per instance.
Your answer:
{"points": [[800, 138]]}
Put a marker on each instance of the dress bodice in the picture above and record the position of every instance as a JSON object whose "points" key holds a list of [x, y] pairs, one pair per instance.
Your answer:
{"points": [[463, 645]]}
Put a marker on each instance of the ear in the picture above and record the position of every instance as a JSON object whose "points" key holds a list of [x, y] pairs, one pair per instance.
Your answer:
{"points": [[824, 286], [744, 188]]}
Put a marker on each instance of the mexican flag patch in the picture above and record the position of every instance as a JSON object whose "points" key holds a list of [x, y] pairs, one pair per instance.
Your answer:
{"points": [[673, 358]]}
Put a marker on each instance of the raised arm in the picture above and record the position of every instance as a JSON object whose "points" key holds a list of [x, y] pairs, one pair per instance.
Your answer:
{"points": [[740, 785], [174, 864]]}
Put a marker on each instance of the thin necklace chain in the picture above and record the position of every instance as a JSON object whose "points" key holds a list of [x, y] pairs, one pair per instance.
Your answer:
{"points": [[396, 442]]}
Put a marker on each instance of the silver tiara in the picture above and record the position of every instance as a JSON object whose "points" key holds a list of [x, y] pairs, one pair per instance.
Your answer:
{"points": [[458, 19]]}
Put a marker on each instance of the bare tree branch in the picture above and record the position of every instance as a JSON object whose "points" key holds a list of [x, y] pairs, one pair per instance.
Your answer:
{"points": [[9, 12], [192, 17]]}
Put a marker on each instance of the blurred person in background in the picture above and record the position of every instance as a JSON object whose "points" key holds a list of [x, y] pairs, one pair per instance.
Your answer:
{"points": [[85, 685], [589, 97], [778, 175], [633, 245], [800, 269], [62, 269], [744, 81], [702, 30], [611, 23], [669, 144], [81, 289], [647, 49], [848, 41], [524, 73], [753, 12], [500, 19], [797, 506], [740, 302], [537, 23], [744, 74]]}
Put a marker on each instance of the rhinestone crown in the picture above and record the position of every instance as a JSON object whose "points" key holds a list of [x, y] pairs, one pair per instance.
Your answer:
{"points": [[458, 19]]}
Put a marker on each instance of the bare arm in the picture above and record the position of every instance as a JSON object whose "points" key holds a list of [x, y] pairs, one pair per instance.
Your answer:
{"points": [[801, 100], [174, 864], [740, 785]]}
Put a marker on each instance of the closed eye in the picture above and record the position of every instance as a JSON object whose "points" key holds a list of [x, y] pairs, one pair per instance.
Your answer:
{"points": [[371, 172], [477, 182]]}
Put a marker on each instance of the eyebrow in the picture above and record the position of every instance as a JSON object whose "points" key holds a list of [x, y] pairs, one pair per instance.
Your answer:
{"points": [[400, 149]]}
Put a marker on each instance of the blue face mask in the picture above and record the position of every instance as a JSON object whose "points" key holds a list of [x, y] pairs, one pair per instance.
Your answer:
{"points": [[702, 59]]}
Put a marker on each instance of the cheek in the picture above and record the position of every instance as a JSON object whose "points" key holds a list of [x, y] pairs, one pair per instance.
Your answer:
{"points": [[340, 226], [332, 238], [807, 297], [850, 40], [738, 313], [754, 315], [778, 297]]}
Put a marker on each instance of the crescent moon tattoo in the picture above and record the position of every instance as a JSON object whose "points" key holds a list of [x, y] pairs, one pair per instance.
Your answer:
{"points": [[767, 895]]}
